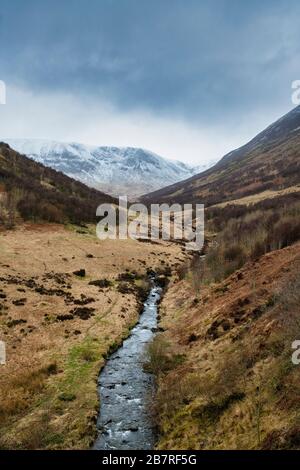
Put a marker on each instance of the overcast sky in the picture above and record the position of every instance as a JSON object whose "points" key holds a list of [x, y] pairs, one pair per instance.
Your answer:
{"points": [[188, 79]]}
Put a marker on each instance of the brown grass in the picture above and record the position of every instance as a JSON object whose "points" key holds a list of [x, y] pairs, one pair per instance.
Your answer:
{"points": [[237, 388], [48, 386]]}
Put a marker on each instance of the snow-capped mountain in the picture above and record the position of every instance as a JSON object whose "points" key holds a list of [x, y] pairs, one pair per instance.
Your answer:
{"points": [[115, 170]]}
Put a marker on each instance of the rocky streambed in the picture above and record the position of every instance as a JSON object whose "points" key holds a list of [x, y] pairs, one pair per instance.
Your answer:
{"points": [[125, 388]]}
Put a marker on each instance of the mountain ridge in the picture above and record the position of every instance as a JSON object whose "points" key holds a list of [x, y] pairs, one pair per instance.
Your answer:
{"points": [[268, 161], [115, 170]]}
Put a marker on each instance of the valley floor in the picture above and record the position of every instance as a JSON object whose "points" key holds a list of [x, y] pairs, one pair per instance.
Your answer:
{"points": [[225, 379], [58, 326]]}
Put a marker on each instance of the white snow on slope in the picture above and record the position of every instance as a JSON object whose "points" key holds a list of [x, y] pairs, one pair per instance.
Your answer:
{"points": [[115, 170]]}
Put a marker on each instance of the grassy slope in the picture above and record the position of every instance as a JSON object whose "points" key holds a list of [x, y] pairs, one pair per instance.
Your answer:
{"points": [[225, 377], [235, 386]]}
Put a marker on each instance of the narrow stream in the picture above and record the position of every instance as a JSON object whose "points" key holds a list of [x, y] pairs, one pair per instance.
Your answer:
{"points": [[124, 421]]}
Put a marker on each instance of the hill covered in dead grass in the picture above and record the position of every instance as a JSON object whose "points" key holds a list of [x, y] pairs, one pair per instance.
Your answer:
{"points": [[227, 380]]}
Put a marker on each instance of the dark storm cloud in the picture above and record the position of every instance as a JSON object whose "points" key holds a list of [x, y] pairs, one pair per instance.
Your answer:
{"points": [[196, 59]]}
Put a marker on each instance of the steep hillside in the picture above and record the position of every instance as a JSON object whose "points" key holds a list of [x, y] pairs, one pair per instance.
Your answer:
{"points": [[114, 170], [268, 162], [31, 191], [225, 375], [224, 360]]}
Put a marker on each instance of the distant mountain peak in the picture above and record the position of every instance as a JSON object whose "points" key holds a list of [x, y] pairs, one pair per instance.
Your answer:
{"points": [[115, 170]]}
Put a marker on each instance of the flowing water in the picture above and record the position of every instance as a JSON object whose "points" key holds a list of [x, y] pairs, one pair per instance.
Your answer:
{"points": [[124, 421]]}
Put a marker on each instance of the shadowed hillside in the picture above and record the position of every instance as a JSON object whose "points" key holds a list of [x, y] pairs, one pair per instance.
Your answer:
{"points": [[31, 191]]}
